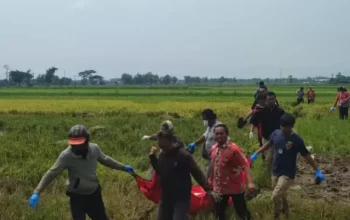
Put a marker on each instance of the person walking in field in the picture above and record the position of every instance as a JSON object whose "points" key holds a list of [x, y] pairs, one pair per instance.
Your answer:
{"points": [[287, 145], [310, 94], [300, 95], [261, 89], [84, 190], [208, 138], [229, 173], [269, 120], [343, 101], [175, 167]]}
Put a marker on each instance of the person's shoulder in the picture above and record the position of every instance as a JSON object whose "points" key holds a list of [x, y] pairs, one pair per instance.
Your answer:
{"points": [[277, 132], [297, 137], [93, 145]]}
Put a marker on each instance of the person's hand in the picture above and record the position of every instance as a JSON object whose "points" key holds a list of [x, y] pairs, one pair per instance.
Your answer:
{"points": [[254, 156], [216, 196], [332, 109], [153, 150], [191, 147], [319, 176], [34, 199], [129, 169], [145, 137], [251, 186], [251, 135]]}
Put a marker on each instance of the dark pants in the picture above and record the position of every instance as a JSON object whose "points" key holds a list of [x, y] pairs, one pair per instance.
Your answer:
{"points": [[169, 210], [310, 101], [300, 101], [92, 205], [239, 204], [343, 112]]}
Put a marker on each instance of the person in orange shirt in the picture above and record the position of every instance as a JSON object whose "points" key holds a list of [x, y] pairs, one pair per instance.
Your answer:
{"points": [[343, 101], [310, 95]]}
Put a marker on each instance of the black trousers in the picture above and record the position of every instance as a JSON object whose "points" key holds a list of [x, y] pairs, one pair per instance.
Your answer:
{"points": [[239, 204], [300, 101], [343, 112], [92, 205], [173, 210], [310, 101]]}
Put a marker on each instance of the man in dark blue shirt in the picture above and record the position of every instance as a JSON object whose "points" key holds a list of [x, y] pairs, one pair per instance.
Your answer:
{"points": [[287, 145]]}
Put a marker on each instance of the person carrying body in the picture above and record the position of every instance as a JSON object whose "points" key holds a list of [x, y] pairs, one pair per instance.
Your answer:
{"points": [[175, 167], [343, 101], [229, 174], [208, 138], [287, 145], [84, 190], [269, 119]]}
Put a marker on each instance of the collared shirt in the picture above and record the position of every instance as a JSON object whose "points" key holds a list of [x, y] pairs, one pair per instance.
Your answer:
{"points": [[227, 171], [286, 149]]}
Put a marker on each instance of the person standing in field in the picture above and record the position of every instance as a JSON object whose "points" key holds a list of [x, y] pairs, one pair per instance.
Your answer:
{"points": [[175, 167], [262, 88], [208, 138], [269, 120], [310, 94], [229, 173], [343, 101], [300, 95], [84, 190], [287, 145]]}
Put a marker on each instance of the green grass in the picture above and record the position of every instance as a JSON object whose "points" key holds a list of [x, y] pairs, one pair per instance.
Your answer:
{"points": [[28, 148]]}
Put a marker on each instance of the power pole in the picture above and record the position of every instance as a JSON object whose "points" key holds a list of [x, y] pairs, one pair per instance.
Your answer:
{"points": [[7, 67]]}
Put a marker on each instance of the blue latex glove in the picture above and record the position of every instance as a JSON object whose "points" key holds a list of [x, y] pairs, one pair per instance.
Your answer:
{"points": [[34, 199], [254, 156], [129, 169], [191, 147], [319, 176]]}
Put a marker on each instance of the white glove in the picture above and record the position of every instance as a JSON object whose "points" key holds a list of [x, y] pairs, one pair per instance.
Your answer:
{"points": [[332, 109], [145, 137], [251, 135], [215, 196]]}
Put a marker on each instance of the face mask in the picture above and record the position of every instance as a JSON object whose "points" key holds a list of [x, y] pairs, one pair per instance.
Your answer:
{"points": [[205, 122]]}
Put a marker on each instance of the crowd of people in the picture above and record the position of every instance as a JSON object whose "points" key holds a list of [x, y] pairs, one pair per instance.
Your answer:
{"points": [[227, 173]]}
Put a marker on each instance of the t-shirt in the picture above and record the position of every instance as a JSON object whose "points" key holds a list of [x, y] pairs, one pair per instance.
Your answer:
{"points": [[300, 94], [286, 149]]}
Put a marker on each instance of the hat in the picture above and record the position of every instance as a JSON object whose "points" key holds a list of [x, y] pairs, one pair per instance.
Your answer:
{"points": [[166, 126], [77, 135]]}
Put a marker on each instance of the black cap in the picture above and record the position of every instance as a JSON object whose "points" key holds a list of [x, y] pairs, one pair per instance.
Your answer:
{"points": [[77, 135]]}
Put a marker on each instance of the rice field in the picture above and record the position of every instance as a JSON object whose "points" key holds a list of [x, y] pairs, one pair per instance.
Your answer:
{"points": [[34, 123]]}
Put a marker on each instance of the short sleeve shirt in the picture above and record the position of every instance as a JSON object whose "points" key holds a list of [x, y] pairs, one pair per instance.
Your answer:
{"points": [[286, 149]]}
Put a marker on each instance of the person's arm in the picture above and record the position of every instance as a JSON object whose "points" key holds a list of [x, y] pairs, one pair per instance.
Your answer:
{"points": [[306, 154], [254, 120], [254, 104], [248, 115], [265, 147], [108, 161], [200, 140], [154, 159], [59, 166], [242, 161], [197, 174], [153, 137], [252, 127], [336, 101]]}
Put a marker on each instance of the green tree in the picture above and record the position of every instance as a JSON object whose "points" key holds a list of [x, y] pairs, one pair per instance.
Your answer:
{"points": [[85, 75], [50, 73]]}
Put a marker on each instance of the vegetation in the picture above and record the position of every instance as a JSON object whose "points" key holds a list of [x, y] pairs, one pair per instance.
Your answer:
{"points": [[34, 124]]}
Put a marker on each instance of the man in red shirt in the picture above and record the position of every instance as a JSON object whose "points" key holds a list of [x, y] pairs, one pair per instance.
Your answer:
{"points": [[310, 95], [229, 173]]}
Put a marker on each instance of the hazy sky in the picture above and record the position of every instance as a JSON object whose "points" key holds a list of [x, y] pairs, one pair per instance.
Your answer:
{"points": [[232, 38]]}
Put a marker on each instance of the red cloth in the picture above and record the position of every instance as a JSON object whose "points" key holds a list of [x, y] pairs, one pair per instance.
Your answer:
{"points": [[227, 168], [199, 199]]}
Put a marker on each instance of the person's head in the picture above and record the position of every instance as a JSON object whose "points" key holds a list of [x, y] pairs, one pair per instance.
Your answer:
{"points": [[261, 99], [310, 88], [261, 83], [287, 122], [78, 139], [262, 89], [270, 99], [301, 88], [208, 117], [166, 126], [164, 139], [342, 90], [221, 133]]}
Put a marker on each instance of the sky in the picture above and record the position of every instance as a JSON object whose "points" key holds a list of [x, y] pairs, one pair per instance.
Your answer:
{"points": [[230, 38]]}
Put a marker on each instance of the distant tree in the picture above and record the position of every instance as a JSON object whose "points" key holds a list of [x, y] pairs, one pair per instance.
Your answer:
{"points": [[17, 76], [173, 80], [40, 79], [50, 73], [95, 79], [127, 79], [66, 81], [138, 79], [28, 76], [205, 80], [85, 75], [166, 80], [222, 80], [188, 79]]}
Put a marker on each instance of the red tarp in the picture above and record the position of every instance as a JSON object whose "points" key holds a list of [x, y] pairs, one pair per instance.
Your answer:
{"points": [[199, 199]]}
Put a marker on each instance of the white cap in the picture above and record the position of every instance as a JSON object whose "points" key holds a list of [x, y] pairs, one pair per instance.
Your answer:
{"points": [[166, 125]]}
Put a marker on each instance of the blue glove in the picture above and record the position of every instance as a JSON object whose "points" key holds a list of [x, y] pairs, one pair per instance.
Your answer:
{"points": [[254, 156], [191, 147], [34, 199], [129, 169], [319, 176]]}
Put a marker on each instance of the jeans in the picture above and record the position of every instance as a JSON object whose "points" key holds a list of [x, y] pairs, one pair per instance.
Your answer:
{"points": [[239, 204], [173, 210], [92, 205]]}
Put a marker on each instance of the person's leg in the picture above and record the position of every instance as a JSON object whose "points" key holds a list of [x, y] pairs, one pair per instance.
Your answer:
{"points": [[241, 206], [95, 207], [165, 210], [180, 210], [341, 115], [279, 194], [220, 208], [76, 204], [346, 113], [308, 101]]}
